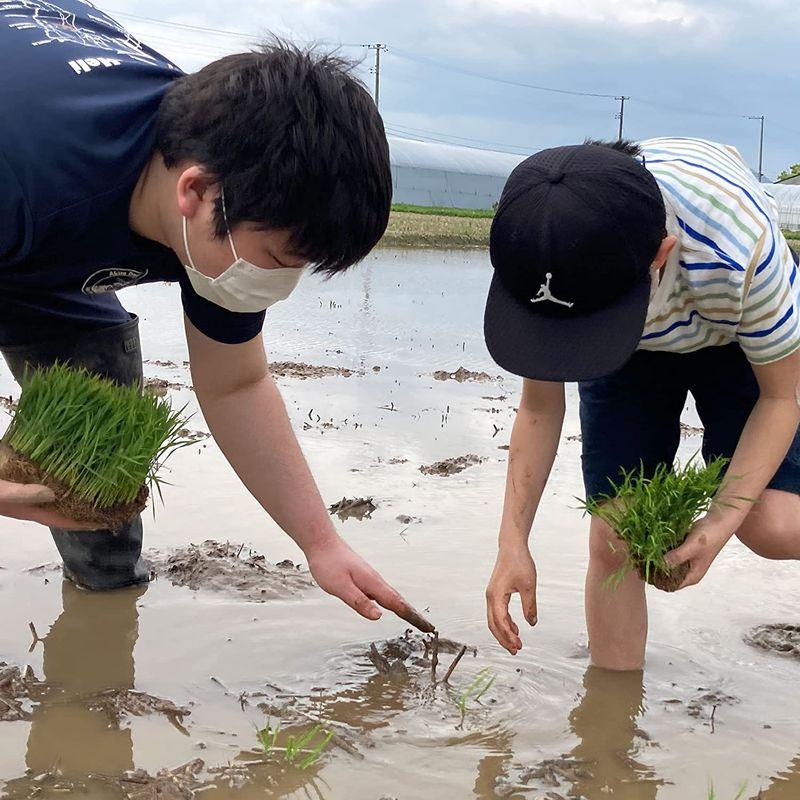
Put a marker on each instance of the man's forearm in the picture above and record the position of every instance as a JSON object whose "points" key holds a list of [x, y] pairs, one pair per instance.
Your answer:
{"points": [[762, 447], [534, 443], [252, 428]]}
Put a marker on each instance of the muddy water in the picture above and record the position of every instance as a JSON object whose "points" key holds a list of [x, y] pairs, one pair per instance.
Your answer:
{"points": [[708, 708]]}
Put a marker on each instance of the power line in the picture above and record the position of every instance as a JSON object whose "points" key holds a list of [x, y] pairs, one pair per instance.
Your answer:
{"points": [[774, 124], [684, 110], [199, 47], [181, 25], [215, 31], [206, 49], [495, 79], [572, 92], [432, 139], [413, 131]]}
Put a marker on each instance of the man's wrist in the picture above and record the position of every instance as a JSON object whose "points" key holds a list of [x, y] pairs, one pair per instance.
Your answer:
{"points": [[321, 539], [512, 543], [718, 525]]}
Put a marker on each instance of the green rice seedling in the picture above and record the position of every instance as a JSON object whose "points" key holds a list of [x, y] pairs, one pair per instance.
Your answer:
{"points": [[481, 684], [98, 445], [297, 750], [712, 795], [653, 515]]}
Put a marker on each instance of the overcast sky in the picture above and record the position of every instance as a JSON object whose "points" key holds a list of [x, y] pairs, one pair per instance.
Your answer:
{"points": [[691, 68]]}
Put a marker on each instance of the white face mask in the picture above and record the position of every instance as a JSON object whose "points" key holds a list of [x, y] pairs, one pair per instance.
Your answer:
{"points": [[243, 287]]}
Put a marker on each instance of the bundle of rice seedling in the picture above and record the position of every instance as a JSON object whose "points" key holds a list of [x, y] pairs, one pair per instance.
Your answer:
{"points": [[96, 444], [654, 515]]}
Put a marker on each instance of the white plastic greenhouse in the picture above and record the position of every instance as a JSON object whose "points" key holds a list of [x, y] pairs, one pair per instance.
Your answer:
{"points": [[431, 174], [788, 200]]}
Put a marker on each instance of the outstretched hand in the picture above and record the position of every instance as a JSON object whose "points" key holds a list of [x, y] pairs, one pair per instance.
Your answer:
{"points": [[514, 572], [29, 501], [344, 574]]}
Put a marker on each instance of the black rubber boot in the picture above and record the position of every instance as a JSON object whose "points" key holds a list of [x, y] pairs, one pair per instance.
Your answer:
{"points": [[97, 560]]}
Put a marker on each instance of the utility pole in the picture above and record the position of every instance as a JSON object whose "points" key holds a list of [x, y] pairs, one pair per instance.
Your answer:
{"points": [[762, 118], [620, 115], [376, 70]]}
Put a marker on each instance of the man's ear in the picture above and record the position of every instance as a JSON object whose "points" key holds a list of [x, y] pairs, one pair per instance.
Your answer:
{"points": [[667, 243], [192, 185]]}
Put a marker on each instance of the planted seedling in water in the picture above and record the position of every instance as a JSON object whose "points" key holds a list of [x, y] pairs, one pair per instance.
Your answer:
{"points": [[96, 444], [301, 750], [654, 515], [481, 684], [712, 795]]}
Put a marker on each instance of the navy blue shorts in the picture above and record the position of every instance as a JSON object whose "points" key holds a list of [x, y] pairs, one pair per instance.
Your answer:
{"points": [[633, 416]]}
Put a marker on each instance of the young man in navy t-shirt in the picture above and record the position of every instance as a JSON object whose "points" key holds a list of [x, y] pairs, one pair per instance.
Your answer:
{"points": [[117, 169]]}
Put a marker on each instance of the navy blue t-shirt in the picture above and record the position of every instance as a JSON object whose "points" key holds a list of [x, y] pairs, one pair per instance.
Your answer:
{"points": [[79, 98]]}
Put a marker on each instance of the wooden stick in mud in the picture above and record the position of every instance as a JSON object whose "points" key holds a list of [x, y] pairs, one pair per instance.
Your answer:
{"points": [[435, 657], [455, 663], [36, 638], [412, 617]]}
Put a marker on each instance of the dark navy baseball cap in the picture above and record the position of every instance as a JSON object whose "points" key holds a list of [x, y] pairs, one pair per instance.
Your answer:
{"points": [[572, 246]]}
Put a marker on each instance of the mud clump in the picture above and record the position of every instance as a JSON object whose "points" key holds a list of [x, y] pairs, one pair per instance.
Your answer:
{"points": [[399, 655], [358, 507], [781, 639], [190, 780], [708, 702], [666, 581], [17, 690], [195, 436], [158, 363], [290, 369], [555, 772], [704, 705], [231, 570], [183, 783], [690, 430], [451, 466], [461, 375], [117, 704], [8, 403], [160, 386], [19, 469]]}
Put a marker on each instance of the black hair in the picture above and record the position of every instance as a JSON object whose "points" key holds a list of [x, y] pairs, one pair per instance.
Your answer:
{"points": [[626, 146], [295, 141]]}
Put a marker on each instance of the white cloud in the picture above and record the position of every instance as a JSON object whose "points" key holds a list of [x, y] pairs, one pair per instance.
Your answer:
{"points": [[733, 56]]}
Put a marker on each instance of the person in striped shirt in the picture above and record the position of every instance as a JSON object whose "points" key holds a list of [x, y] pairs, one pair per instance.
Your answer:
{"points": [[645, 272]]}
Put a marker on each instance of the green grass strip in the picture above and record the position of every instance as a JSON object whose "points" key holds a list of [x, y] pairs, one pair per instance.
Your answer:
{"points": [[440, 211]]}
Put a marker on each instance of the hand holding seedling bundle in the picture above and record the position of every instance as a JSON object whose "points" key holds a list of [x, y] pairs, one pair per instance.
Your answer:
{"points": [[86, 446], [653, 516]]}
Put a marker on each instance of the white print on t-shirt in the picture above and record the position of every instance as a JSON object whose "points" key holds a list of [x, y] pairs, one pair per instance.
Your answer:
{"points": [[112, 280], [81, 65], [59, 26]]}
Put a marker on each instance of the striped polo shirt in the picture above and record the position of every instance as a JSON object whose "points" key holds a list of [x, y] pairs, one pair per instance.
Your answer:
{"points": [[731, 277]]}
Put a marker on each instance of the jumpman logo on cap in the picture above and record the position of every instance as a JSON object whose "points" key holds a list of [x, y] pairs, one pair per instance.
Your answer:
{"points": [[544, 293]]}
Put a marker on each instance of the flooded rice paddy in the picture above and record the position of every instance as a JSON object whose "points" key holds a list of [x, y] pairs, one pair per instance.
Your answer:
{"points": [[160, 691]]}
